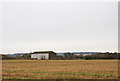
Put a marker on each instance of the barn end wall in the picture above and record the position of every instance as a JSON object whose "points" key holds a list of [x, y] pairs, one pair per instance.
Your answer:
{"points": [[40, 56]]}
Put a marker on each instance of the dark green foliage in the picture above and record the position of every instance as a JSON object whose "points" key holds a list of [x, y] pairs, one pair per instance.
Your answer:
{"points": [[6, 57], [68, 56], [59, 57], [26, 56], [106, 55]]}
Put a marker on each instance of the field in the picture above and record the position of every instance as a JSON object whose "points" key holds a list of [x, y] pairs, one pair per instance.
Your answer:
{"points": [[60, 69]]}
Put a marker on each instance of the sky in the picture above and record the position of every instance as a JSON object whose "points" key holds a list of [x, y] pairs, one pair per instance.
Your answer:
{"points": [[59, 26]]}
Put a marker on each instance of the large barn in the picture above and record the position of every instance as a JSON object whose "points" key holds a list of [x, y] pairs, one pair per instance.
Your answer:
{"points": [[43, 55]]}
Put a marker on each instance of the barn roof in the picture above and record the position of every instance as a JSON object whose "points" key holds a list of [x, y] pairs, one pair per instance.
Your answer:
{"points": [[44, 52]]}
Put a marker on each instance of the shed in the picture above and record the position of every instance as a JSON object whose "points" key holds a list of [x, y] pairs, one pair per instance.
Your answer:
{"points": [[43, 55]]}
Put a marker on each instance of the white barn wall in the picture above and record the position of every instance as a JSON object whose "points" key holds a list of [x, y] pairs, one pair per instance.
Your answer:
{"points": [[40, 55]]}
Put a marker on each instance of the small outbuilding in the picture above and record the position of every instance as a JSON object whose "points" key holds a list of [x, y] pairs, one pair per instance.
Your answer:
{"points": [[43, 55]]}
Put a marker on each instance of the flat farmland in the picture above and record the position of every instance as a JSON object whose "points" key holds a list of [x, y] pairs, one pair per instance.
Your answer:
{"points": [[60, 69]]}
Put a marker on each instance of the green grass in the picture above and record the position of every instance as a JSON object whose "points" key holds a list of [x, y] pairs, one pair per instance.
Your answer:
{"points": [[90, 74]]}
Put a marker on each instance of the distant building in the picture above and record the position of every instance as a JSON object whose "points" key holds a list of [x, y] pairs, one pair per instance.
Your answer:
{"points": [[43, 55], [86, 54]]}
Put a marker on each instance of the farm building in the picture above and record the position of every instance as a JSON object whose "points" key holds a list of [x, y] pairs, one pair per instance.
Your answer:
{"points": [[43, 55]]}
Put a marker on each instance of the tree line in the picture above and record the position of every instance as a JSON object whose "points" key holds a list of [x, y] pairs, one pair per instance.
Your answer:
{"points": [[70, 56]]}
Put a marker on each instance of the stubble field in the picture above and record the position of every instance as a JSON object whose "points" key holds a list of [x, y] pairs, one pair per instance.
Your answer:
{"points": [[60, 69]]}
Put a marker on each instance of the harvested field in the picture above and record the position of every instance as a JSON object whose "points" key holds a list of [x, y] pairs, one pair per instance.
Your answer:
{"points": [[60, 69]]}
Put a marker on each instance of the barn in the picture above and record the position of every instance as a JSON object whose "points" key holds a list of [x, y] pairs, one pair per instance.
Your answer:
{"points": [[43, 55]]}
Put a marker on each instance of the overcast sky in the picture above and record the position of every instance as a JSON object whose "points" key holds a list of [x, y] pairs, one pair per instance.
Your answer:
{"points": [[59, 26]]}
